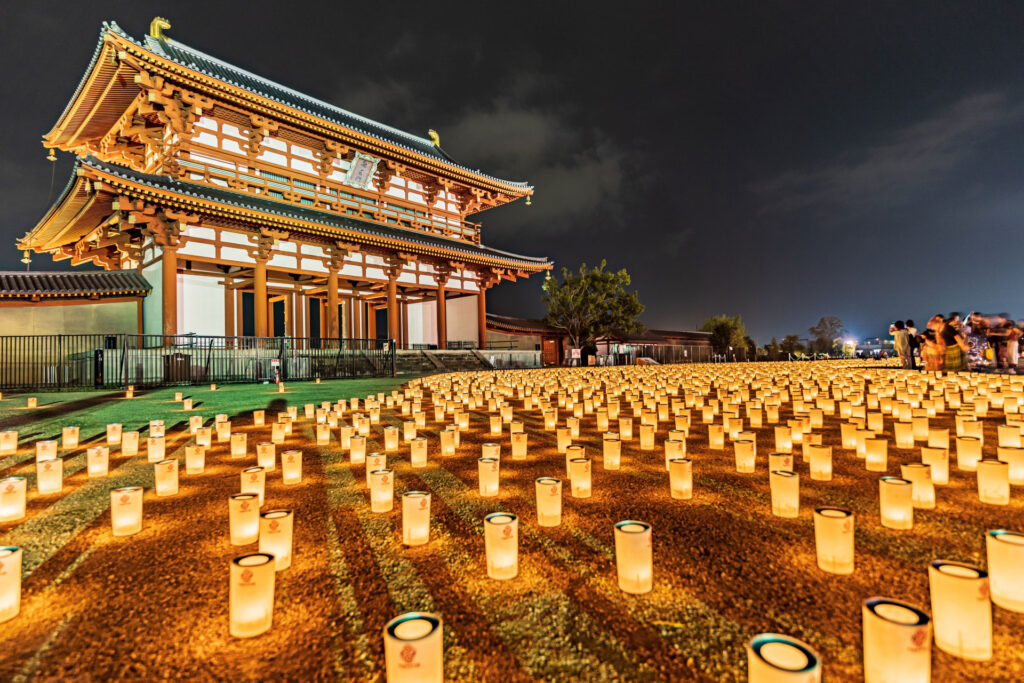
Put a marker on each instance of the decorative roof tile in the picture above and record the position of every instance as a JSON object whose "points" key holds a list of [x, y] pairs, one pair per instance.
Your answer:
{"points": [[72, 284]]}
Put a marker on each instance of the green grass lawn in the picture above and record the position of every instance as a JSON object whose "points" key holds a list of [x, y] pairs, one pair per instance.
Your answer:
{"points": [[91, 411]]}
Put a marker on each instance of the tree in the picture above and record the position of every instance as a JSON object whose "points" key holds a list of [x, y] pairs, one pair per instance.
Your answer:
{"points": [[751, 347], [773, 349], [791, 344], [725, 332], [593, 303], [825, 333]]}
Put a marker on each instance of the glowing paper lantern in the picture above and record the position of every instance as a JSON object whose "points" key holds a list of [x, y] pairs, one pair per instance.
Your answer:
{"points": [[633, 556], [961, 609], [488, 475], [646, 437], [244, 518], [780, 461], [501, 543], [374, 462], [549, 501], [680, 473], [579, 477], [897, 642], [572, 453], [266, 456], [1005, 558], [254, 480], [252, 594], [783, 439], [278, 432], [258, 418], [612, 450], [382, 491], [129, 444], [10, 582], [97, 459], [896, 502], [32, 402], [519, 445], [876, 455], [291, 467], [8, 442], [833, 539], [50, 476], [775, 658], [938, 460], [195, 459], [993, 482], [69, 438], [414, 648], [391, 438], [415, 517], [563, 439], [625, 429], [820, 462], [186, 404], [46, 450], [12, 498], [674, 449], [126, 510], [745, 458], [920, 476], [408, 430], [238, 446], [716, 437], [276, 536], [357, 449], [1014, 458], [848, 435], [204, 436], [223, 431], [785, 489], [448, 441], [968, 453]]}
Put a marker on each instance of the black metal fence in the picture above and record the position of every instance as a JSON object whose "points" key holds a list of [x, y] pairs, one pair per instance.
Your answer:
{"points": [[118, 360]]}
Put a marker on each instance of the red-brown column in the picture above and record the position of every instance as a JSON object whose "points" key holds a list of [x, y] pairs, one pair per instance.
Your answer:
{"points": [[229, 309], [332, 305], [481, 314], [442, 317], [393, 330], [169, 263], [259, 308]]}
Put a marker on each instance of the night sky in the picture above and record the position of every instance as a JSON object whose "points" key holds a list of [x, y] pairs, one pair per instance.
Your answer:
{"points": [[781, 161]]}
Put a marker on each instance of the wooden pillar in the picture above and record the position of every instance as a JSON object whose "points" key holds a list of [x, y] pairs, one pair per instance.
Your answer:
{"points": [[393, 305], [442, 317], [259, 304], [405, 325], [140, 323], [371, 321], [229, 309], [289, 316], [299, 308], [481, 314], [169, 263], [239, 312], [332, 305]]}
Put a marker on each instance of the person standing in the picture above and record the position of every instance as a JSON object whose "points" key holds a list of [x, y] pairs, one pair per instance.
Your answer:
{"points": [[952, 341], [1013, 346], [932, 356], [901, 342], [915, 342]]}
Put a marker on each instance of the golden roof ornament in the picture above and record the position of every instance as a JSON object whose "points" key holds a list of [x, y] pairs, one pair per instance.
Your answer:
{"points": [[158, 26], [529, 200], [434, 138], [51, 156]]}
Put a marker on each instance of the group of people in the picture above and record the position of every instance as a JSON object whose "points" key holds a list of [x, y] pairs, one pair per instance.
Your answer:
{"points": [[977, 342]]}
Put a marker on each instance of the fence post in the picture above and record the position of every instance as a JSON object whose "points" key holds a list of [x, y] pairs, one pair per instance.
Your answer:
{"points": [[394, 353]]}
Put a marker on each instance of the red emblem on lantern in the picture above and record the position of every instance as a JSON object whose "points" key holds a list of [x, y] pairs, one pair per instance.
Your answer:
{"points": [[9, 489], [170, 467], [423, 503], [847, 526], [275, 526], [47, 467], [247, 577], [918, 639], [244, 506], [507, 532], [125, 498], [983, 592], [254, 477], [408, 654]]}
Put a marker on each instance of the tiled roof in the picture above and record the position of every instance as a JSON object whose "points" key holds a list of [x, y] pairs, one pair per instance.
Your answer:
{"points": [[505, 323], [272, 206], [522, 325], [199, 61], [72, 284]]}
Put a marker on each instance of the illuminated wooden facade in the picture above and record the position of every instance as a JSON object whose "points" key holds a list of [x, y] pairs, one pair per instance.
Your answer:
{"points": [[222, 187]]}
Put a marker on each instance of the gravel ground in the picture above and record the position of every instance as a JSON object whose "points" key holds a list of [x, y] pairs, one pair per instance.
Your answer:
{"points": [[155, 605]]}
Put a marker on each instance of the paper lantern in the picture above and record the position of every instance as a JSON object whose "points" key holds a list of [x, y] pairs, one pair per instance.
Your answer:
{"points": [[550, 419], [562, 439], [938, 460], [993, 482], [390, 438], [487, 472], [177, 396], [674, 449], [680, 473], [357, 449], [374, 462], [519, 441], [716, 437], [820, 462], [382, 491], [785, 489], [223, 431], [195, 459], [291, 467], [920, 477], [258, 418], [1014, 458], [415, 517], [601, 419], [32, 402], [126, 510], [579, 477], [625, 429], [876, 455], [251, 594], [10, 582], [833, 539], [238, 446], [165, 474], [278, 432], [961, 609], [775, 658], [448, 441], [13, 492], [745, 457], [783, 439], [244, 518], [897, 642], [862, 442], [968, 453], [501, 544], [46, 450], [633, 556], [408, 430], [186, 404], [938, 438], [612, 450], [549, 501], [97, 461], [129, 444], [572, 453], [646, 437], [8, 442], [414, 648], [1005, 559], [204, 436], [266, 455], [848, 435], [69, 438], [276, 536], [419, 418], [254, 480], [50, 476], [896, 502], [780, 461]]}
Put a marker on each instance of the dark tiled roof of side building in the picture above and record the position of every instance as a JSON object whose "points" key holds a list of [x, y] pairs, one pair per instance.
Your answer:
{"points": [[72, 284]]}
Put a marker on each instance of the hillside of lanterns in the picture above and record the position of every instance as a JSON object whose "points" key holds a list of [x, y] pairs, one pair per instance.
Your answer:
{"points": [[772, 521]]}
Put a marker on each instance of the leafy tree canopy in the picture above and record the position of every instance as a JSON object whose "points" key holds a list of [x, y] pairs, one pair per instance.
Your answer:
{"points": [[725, 332], [825, 333], [592, 303], [791, 344]]}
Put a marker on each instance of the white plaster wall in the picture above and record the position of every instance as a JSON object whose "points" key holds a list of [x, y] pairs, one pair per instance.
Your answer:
{"points": [[461, 319], [200, 305], [423, 322], [153, 306]]}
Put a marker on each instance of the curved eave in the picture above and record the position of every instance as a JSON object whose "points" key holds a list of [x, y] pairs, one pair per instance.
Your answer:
{"points": [[77, 207], [248, 100]]}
